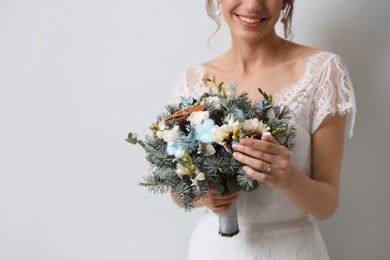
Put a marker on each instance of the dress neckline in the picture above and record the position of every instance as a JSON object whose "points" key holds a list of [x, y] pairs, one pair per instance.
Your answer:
{"points": [[310, 60]]}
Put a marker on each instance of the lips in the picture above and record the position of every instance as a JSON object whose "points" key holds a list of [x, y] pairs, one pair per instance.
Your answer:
{"points": [[251, 21]]}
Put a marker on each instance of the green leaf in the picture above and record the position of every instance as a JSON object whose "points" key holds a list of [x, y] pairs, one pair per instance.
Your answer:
{"points": [[270, 99], [140, 142], [233, 185], [281, 139], [131, 138], [219, 87], [220, 188]]}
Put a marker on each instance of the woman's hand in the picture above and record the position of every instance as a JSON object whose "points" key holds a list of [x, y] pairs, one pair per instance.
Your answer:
{"points": [[317, 194], [218, 203], [265, 160]]}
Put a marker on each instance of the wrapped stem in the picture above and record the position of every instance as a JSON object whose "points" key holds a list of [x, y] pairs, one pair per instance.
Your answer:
{"points": [[228, 222]]}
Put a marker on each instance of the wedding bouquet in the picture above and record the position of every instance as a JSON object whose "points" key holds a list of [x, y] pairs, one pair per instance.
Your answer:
{"points": [[190, 149]]}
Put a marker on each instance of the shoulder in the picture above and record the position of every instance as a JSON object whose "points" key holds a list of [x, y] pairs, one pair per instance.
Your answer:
{"points": [[304, 54], [316, 61], [326, 65], [327, 58], [316, 56], [217, 65]]}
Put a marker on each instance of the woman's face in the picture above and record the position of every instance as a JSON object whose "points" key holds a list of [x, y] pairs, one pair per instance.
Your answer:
{"points": [[251, 20]]}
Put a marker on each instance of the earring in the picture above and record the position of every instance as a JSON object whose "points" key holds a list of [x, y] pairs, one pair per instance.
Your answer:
{"points": [[218, 10], [283, 20]]}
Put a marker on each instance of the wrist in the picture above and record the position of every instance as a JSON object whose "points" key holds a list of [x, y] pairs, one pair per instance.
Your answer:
{"points": [[294, 180]]}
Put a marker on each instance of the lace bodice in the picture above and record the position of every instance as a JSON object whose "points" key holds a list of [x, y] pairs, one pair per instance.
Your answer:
{"points": [[325, 85], [325, 89]]}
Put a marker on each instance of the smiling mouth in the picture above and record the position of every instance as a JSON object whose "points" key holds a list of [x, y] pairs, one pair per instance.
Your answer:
{"points": [[251, 20]]}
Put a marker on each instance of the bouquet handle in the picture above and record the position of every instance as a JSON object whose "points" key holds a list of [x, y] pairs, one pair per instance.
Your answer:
{"points": [[228, 222]]}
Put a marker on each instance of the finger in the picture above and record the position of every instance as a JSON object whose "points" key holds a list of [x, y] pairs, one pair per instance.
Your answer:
{"points": [[262, 177], [255, 153], [259, 165], [221, 209], [269, 138], [214, 192], [219, 202], [282, 150], [260, 145], [218, 197], [223, 200]]}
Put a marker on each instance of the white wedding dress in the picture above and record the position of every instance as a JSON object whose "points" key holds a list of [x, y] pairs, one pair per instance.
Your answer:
{"points": [[271, 226]]}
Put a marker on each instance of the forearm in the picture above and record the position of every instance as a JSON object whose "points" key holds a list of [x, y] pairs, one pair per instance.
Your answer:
{"points": [[319, 198]]}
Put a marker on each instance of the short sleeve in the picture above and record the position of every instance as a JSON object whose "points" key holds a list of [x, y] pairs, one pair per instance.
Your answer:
{"points": [[333, 94]]}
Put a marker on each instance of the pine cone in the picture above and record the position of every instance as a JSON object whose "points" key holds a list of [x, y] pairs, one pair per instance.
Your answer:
{"points": [[217, 115], [205, 95]]}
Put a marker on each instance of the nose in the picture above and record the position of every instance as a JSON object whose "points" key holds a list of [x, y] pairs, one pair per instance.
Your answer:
{"points": [[252, 5]]}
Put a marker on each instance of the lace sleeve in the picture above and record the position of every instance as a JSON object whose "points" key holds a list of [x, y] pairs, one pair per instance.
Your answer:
{"points": [[189, 83], [179, 88], [334, 94]]}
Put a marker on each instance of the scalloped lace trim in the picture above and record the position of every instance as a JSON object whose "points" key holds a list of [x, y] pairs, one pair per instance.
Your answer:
{"points": [[325, 84]]}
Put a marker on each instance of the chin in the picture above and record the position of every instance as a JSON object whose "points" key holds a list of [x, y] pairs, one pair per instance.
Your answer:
{"points": [[250, 37]]}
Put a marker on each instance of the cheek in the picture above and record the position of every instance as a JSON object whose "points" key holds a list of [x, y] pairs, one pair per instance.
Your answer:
{"points": [[274, 7]]}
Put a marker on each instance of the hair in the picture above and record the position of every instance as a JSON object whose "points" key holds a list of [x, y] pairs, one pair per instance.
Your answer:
{"points": [[211, 12], [288, 13]]}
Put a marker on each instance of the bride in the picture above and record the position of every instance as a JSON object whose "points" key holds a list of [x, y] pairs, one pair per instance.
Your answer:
{"points": [[276, 220]]}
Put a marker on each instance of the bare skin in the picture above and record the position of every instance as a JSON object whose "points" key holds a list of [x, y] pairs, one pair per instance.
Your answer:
{"points": [[260, 58]]}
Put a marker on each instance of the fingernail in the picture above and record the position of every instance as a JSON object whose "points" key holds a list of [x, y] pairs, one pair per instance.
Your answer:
{"points": [[235, 146], [266, 134]]}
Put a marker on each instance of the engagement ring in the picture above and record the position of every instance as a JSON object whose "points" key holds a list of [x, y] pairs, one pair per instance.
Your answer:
{"points": [[268, 169]]}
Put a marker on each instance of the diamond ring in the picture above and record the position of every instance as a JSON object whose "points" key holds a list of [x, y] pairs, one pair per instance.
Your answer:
{"points": [[268, 169]]}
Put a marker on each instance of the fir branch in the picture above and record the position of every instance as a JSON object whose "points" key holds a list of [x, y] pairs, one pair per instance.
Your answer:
{"points": [[219, 170], [172, 108], [246, 182]]}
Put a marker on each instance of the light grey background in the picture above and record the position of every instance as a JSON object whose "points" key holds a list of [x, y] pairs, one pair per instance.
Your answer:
{"points": [[76, 76]]}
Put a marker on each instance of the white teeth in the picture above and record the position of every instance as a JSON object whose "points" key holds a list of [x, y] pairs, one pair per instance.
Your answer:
{"points": [[249, 20]]}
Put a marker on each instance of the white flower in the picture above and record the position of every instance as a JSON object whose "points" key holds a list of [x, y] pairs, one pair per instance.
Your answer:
{"points": [[160, 134], [161, 125], [216, 101], [263, 128], [206, 149], [250, 125], [253, 125], [231, 123], [169, 136], [217, 134], [180, 170], [199, 177], [198, 117]]}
